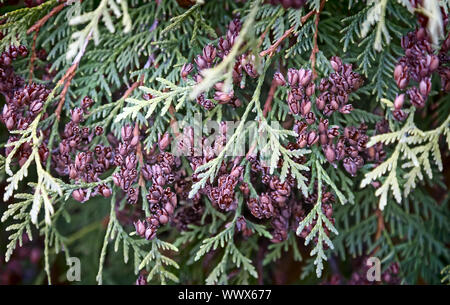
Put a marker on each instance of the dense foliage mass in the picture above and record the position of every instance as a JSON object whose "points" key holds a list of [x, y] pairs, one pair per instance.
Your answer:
{"points": [[225, 141]]}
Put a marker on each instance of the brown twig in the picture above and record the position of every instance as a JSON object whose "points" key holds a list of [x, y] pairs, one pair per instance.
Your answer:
{"points": [[140, 156], [380, 228], [259, 262], [35, 28], [380, 223], [261, 39], [268, 103], [66, 80], [33, 57], [133, 87], [315, 49], [272, 49]]}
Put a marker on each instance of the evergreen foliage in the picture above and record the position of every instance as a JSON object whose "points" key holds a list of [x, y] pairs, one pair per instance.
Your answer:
{"points": [[121, 52]]}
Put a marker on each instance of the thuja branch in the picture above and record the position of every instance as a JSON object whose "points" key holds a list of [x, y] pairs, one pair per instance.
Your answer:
{"points": [[266, 110], [231, 214], [79, 38], [318, 225], [415, 146], [157, 97], [45, 182], [174, 22]]}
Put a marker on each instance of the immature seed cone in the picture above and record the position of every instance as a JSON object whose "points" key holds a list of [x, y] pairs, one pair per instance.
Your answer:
{"points": [[330, 154], [399, 100], [279, 79], [141, 280], [78, 195], [186, 69], [261, 208]]}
